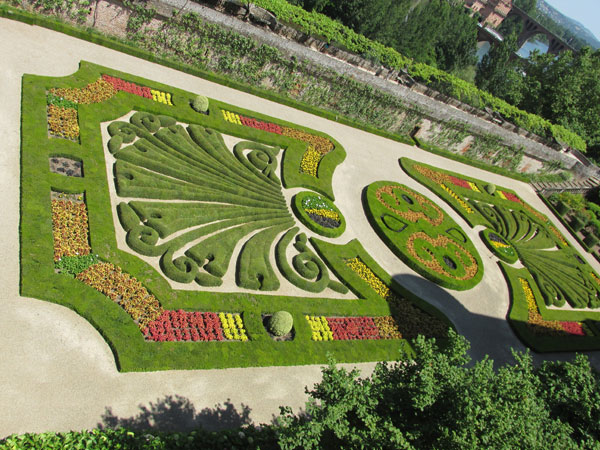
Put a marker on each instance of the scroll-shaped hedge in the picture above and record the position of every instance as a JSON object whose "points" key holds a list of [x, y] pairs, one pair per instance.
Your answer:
{"points": [[309, 272], [217, 199], [422, 235], [560, 273]]}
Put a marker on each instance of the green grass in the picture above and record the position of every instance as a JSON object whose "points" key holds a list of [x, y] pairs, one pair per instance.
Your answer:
{"points": [[132, 352]]}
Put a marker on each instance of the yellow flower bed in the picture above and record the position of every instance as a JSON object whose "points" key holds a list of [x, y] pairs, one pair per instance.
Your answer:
{"points": [[324, 213], [96, 92], [69, 229], [233, 327], [535, 319], [361, 269], [231, 117], [320, 328], [473, 186], [310, 161], [62, 122], [161, 97], [456, 197], [499, 244]]}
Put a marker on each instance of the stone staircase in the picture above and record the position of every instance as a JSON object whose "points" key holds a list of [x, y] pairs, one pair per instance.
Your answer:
{"points": [[574, 187]]}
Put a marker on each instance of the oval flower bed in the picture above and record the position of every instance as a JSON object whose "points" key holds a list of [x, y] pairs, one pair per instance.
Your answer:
{"points": [[319, 214], [498, 246]]}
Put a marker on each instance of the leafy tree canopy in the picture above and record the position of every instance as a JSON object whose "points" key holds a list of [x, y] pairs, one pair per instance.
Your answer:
{"points": [[436, 32], [442, 400]]}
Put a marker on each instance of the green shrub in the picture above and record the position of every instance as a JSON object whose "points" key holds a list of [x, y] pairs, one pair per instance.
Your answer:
{"points": [[200, 104], [562, 207], [280, 323], [490, 188], [72, 265], [590, 240]]}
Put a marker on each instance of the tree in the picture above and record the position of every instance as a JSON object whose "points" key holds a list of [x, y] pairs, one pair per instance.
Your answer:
{"points": [[565, 89], [500, 73], [526, 5], [438, 400]]}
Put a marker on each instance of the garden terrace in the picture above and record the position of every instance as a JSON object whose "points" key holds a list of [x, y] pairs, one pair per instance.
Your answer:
{"points": [[197, 199]]}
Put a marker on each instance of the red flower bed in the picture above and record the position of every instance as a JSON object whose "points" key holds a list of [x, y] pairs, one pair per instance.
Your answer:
{"points": [[573, 328], [265, 126], [185, 326], [511, 197], [132, 88], [460, 182], [350, 328]]}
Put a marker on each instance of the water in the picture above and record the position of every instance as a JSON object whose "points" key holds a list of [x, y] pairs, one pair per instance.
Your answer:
{"points": [[530, 46]]}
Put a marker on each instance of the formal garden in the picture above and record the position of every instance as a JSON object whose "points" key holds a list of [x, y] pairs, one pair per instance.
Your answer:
{"points": [[196, 234]]}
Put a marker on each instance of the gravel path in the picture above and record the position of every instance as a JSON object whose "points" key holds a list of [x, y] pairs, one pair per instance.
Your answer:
{"points": [[56, 371]]}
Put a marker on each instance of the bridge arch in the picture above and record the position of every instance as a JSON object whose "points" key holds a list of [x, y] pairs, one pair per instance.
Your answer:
{"points": [[532, 27]]}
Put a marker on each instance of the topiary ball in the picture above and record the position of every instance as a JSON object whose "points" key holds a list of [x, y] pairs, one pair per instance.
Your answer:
{"points": [[280, 323], [200, 104], [490, 188]]}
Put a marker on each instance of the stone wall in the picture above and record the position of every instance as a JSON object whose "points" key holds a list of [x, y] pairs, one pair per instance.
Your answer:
{"points": [[261, 25]]}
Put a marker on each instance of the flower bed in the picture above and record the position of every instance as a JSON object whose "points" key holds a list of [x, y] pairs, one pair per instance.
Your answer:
{"points": [[186, 326], [498, 246], [409, 320], [417, 231], [318, 146], [319, 214], [352, 328], [194, 205], [62, 102], [541, 327], [124, 289], [69, 229], [96, 92], [539, 245]]}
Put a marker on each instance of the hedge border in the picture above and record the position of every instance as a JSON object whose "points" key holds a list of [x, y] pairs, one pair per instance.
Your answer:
{"points": [[311, 224]]}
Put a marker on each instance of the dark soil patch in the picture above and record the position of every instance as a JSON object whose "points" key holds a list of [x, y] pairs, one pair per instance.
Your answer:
{"points": [[325, 222], [75, 198], [66, 166]]}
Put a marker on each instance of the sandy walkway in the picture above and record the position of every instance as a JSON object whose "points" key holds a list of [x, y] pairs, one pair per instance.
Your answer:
{"points": [[56, 371]]}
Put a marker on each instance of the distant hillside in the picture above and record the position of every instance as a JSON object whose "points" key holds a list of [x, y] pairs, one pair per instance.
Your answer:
{"points": [[574, 29]]}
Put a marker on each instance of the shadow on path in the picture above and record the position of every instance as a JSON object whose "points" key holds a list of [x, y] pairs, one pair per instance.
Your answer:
{"points": [[177, 413]]}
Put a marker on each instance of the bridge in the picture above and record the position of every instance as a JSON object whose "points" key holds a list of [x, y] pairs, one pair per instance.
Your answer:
{"points": [[531, 27]]}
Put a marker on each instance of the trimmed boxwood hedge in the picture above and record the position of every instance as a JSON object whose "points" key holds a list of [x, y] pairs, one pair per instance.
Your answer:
{"points": [[38, 278], [298, 208]]}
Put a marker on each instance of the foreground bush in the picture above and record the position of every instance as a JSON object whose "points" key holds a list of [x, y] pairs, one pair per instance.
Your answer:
{"points": [[438, 400]]}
